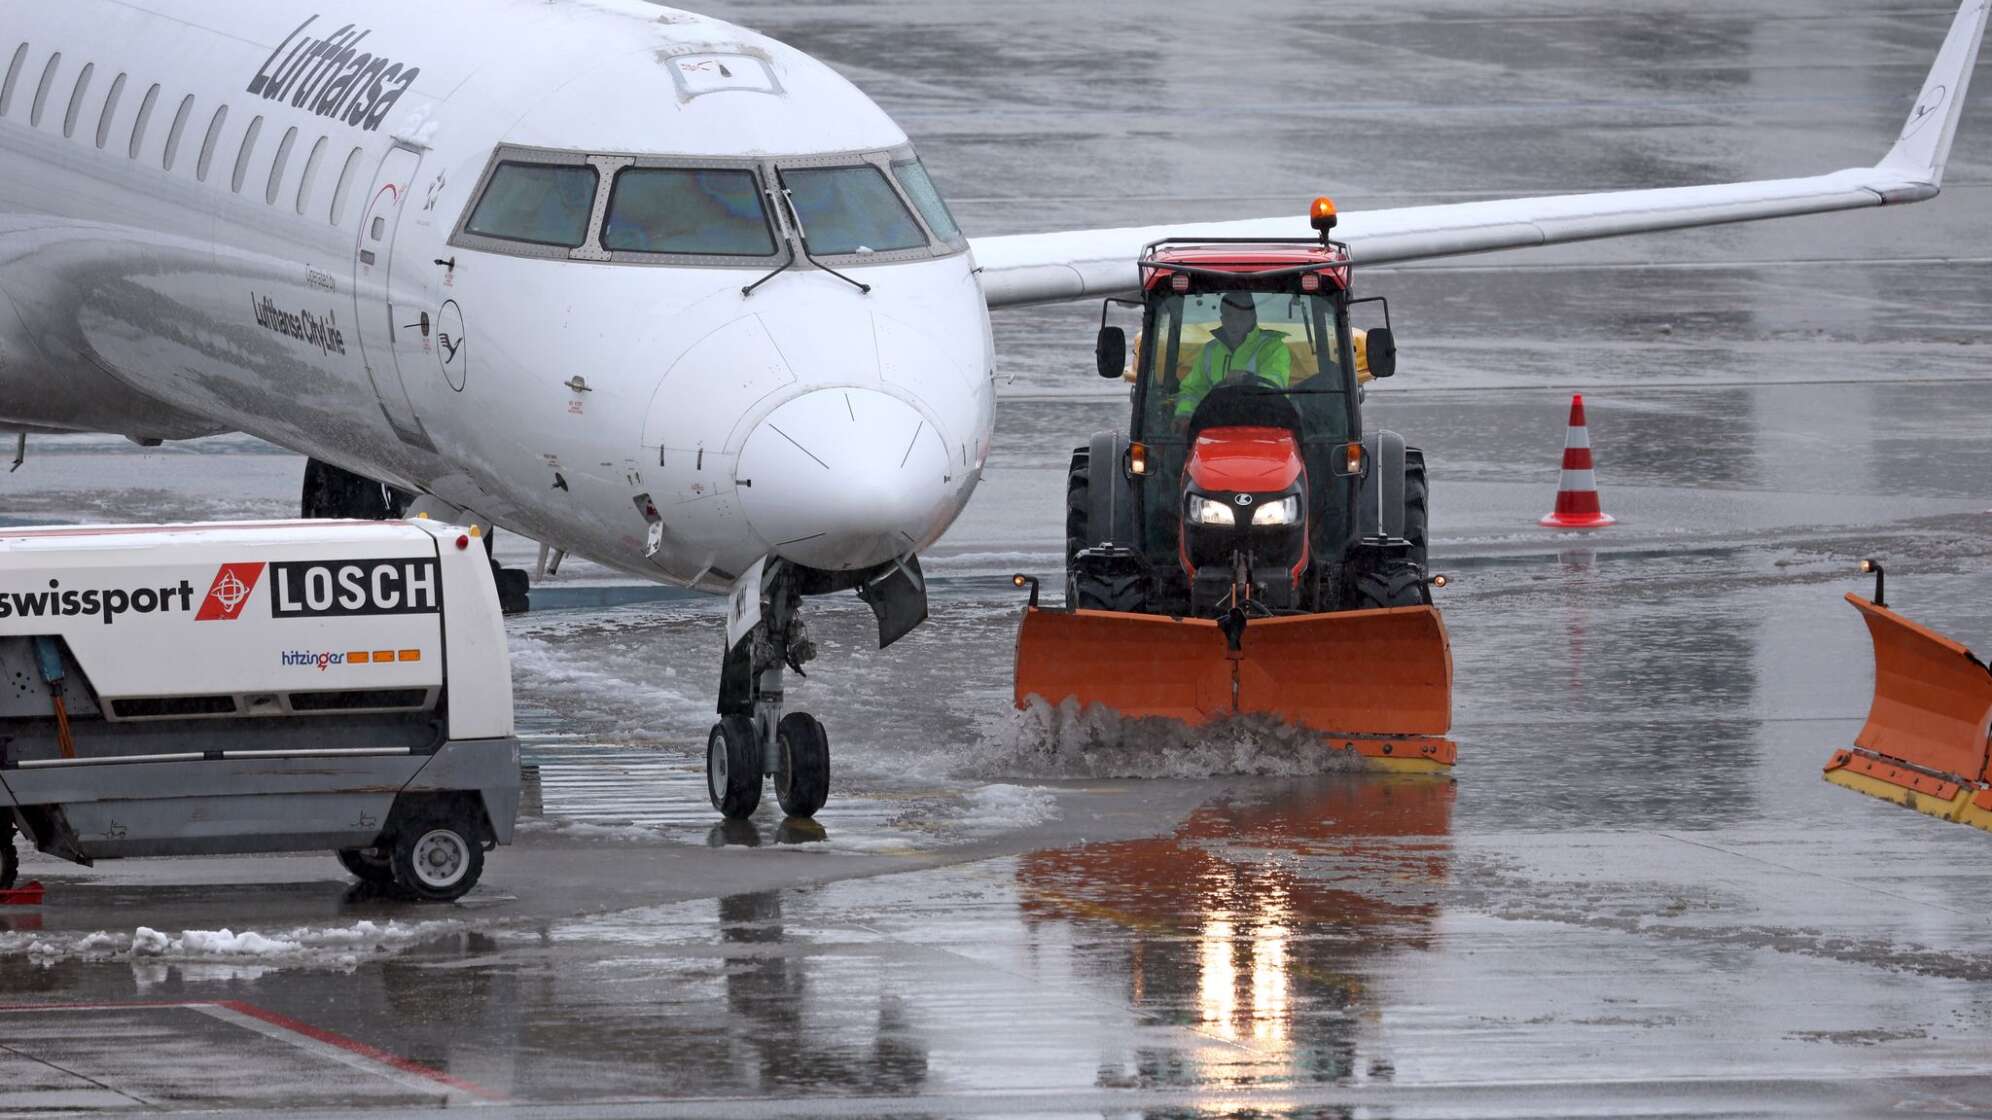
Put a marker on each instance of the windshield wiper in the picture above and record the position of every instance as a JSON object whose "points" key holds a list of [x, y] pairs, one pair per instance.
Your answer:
{"points": [[779, 269], [802, 240]]}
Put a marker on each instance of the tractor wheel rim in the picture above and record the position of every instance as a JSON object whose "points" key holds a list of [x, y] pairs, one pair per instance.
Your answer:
{"points": [[716, 765], [440, 858]]}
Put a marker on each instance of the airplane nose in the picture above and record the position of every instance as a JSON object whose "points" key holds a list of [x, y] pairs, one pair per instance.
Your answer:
{"points": [[842, 479]]}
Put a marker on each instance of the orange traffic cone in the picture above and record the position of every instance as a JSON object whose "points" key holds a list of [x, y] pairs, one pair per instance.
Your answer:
{"points": [[1577, 498]]}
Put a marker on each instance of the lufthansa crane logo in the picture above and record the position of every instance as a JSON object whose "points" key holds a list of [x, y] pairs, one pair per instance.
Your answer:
{"points": [[1926, 108], [451, 353]]}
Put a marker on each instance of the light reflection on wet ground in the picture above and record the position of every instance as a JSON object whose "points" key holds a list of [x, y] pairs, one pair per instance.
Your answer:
{"points": [[1637, 896]]}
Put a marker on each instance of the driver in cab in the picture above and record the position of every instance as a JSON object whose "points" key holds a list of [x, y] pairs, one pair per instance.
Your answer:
{"points": [[1239, 351]]}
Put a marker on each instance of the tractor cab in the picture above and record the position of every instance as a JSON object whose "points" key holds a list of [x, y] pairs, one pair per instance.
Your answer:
{"points": [[1244, 454]]}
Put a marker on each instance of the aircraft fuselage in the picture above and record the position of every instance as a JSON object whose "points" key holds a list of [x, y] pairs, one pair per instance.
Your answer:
{"points": [[256, 216]]}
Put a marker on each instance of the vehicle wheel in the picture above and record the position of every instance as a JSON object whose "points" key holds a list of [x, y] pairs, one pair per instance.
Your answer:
{"points": [[1395, 583], [438, 856], [1417, 504], [802, 768], [368, 865], [10, 860], [733, 767], [1078, 491]]}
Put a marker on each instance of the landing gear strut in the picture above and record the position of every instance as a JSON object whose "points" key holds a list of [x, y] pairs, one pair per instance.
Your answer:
{"points": [[753, 737]]}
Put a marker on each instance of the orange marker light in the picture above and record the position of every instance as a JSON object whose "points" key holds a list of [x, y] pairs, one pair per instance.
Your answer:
{"points": [[1137, 458], [1321, 215], [356, 657], [410, 655]]}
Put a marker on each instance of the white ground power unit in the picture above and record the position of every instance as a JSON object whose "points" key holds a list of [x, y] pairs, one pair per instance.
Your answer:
{"points": [[258, 687]]}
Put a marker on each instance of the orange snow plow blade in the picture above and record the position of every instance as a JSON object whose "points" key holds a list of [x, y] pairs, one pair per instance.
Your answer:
{"points": [[1924, 744], [1376, 683]]}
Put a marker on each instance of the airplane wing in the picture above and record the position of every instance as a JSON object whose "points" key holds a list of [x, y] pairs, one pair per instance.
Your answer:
{"points": [[1054, 267]]}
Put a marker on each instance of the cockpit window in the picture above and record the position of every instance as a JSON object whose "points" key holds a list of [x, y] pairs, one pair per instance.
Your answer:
{"points": [[850, 210], [538, 203], [912, 176], [686, 210]]}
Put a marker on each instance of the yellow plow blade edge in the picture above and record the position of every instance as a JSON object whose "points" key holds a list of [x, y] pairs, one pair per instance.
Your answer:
{"points": [[1925, 741], [1377, 683]]}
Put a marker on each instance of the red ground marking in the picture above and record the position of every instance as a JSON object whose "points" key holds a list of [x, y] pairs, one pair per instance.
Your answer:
{"points": [[282, 1022], [405, 1065]]}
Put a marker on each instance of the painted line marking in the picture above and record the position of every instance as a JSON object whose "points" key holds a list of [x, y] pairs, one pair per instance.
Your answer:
{"points": [[302, 1036]]}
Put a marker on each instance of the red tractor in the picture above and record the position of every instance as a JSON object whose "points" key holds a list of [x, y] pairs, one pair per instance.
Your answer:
{"points": [[1247, 546]]}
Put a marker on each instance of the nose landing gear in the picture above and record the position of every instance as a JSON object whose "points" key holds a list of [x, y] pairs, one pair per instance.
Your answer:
{"points": [[753, 737]]}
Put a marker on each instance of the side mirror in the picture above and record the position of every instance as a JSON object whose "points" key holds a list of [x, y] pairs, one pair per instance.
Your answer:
{"points": [[1382, 352], [1111, 352]]}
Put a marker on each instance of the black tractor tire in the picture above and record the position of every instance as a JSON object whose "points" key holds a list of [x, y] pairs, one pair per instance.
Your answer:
{"points": [[438, 855], [368, 865], [802, 764], [1417, 505], [10, 859], [733, 767], [1078, 495], [1393, 583], [1126, 592]]}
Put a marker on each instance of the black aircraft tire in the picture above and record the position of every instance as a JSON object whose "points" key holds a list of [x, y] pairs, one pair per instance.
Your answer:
{"points": [[438, 857], [802, 770], [10, 859], [733, 767], [367, 865], [1417, 504]]}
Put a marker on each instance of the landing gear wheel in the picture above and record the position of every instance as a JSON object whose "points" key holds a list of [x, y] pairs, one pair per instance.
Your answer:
{"points": [[10, 860], [802, 764], [437, 857], [368, 865], [733, 767]]}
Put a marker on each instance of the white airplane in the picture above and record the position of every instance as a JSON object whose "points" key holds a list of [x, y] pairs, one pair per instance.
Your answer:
{"points": [[649, 286]]}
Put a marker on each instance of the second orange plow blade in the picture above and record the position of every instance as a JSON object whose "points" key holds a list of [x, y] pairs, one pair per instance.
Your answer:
{"points": [[1925, 741], [1377, 683]]}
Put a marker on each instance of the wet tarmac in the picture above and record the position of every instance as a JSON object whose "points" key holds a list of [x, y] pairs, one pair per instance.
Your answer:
{"points": [[1634, 897]]}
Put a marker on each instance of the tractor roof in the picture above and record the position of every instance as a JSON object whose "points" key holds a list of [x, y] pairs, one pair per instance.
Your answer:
{"points": [[1244, 258]]}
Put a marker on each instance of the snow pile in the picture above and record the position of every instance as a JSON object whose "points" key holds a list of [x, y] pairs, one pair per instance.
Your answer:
{"points": [[1068, 741], [305, 946], [220, 943]]}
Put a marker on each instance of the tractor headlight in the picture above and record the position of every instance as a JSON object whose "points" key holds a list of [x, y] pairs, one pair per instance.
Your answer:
{"points": [[1286, 511], [1203, 511]]}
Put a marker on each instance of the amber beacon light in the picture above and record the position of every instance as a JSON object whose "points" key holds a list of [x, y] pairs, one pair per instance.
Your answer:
{"points": [[1321, 215]]}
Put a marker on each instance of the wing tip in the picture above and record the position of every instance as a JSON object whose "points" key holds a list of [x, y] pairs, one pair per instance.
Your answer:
{"points": [[1923, 146]]}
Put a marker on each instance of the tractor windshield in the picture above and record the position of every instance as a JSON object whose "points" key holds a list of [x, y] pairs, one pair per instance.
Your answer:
{"points": [[1285, 343], [1288, 343]]}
